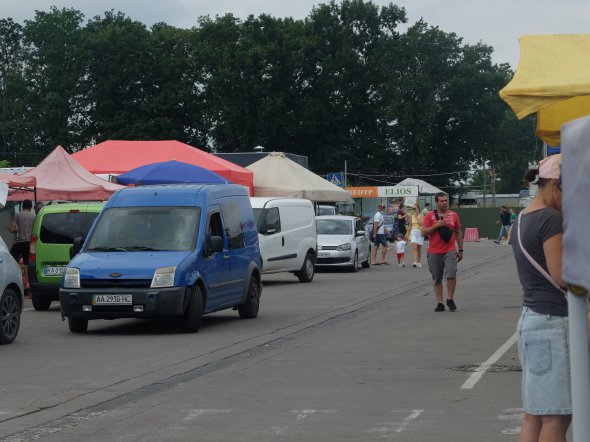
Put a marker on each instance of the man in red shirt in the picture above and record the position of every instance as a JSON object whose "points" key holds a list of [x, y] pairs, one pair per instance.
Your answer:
{"points": [[443, 228]]}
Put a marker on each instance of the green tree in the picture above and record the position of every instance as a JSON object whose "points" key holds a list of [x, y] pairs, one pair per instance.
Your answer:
{"points": [[11, 62], [251, 72], [116, 54], [53, 72], [345, 92]]}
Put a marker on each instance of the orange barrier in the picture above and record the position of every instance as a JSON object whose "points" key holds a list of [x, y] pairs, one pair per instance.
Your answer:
{"points": [[471, 234]]}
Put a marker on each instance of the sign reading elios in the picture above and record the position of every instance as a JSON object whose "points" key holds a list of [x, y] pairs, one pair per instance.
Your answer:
{"points": [[383, 191]]}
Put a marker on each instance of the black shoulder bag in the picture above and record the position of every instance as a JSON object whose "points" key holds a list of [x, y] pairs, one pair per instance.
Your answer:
{"points": [[445, 233]]}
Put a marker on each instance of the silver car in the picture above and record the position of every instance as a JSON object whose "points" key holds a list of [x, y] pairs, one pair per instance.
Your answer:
{"points": [[11, 295], [342, 241]]}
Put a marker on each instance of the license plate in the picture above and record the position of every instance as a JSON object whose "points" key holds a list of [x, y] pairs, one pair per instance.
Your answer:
{"points": [[323, 254], [112, 299], [53, 270]]}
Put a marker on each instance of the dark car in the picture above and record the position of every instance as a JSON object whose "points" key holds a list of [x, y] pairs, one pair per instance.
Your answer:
{"points": [[390, 225]]}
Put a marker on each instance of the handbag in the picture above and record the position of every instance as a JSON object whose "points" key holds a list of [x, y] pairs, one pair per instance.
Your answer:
{"points": [[535, 263], [445, 233]]}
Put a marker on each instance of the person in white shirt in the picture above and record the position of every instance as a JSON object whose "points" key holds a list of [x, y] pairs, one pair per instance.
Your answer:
{"points": [[400, 248], [379, 237]]}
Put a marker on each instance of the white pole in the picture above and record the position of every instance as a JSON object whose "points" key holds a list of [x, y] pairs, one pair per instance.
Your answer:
{"points": [[579, 360]]}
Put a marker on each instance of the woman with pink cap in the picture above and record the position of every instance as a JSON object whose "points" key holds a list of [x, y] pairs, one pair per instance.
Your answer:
{"points": [[542, 330]]}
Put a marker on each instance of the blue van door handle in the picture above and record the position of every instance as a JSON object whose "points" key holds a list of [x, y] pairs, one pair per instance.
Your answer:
{"points": [[225, 256], [283, 240]]}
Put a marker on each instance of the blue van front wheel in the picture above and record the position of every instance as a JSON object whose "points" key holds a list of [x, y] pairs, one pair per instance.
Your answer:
{"points": [[191, 320], [78, 325]]}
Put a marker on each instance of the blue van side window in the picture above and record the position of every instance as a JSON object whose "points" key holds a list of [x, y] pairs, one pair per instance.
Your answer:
{"points": [[233, 225], [215, 228]]}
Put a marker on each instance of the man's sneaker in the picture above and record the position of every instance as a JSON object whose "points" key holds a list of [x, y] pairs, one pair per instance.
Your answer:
{"points": [[414, 264], [451, 305], [496, 241], [419, 265], [440, 308]]}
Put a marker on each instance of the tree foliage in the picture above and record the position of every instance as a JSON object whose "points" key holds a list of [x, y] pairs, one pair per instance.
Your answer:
{"points": [[344, 84]]}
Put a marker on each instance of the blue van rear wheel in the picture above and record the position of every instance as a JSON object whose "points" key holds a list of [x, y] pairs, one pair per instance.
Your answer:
{"points": [[249, 309], [191, 320]]}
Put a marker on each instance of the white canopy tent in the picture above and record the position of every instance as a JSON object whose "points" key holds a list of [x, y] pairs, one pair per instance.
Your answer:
{"points": [[277, 175], [424, 188]]}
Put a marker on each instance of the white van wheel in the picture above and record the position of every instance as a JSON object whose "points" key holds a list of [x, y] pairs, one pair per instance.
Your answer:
{"points": [[307, 269]]}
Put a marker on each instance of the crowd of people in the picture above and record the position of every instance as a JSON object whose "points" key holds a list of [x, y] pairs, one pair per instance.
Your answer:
{"points": [[443, 229]]}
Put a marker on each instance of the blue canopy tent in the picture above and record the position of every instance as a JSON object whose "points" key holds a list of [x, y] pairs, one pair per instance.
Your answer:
{"points": [[170, 172]]}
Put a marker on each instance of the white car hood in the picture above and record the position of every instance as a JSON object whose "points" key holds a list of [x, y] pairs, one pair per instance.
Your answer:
{"points": [[334, 240]]}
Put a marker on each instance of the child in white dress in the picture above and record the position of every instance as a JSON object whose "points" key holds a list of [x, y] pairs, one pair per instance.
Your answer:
{"points": [[400, 247]]}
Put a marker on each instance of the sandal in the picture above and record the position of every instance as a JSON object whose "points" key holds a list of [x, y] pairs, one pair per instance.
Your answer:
{"points": [[385, 263]]}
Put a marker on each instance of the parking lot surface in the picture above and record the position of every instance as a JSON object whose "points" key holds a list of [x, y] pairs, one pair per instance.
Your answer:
{"points": [[347, 357]]}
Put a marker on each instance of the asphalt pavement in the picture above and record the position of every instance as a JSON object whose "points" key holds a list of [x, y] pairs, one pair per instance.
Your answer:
{"points": [[348, 357]]}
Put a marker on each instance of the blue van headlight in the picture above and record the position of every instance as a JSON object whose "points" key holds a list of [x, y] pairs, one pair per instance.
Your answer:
{"points": [[72, 278], [164, 277]]}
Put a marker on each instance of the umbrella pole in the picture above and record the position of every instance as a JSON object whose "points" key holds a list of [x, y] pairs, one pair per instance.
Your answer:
{"points": [[579, 360]]}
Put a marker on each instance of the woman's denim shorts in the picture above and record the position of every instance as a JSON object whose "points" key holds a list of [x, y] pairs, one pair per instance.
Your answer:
{"points": [[543, 348]]}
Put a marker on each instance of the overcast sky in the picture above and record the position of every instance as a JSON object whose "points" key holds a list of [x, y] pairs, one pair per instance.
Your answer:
{"points": [[498, 23]]}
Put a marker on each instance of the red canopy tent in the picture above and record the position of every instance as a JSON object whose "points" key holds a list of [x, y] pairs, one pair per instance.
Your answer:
{"points": [[18, 180], [60, 177], [117, 157]]}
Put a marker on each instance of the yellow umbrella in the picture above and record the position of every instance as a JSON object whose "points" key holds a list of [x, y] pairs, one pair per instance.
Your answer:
{"points": [[553, 79]]}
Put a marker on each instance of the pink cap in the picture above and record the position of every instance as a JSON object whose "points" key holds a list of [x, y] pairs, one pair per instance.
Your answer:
{"points": [[549, 167]]}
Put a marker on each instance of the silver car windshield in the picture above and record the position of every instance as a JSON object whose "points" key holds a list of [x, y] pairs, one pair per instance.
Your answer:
{"points": [[334, 227], [145, 228]]}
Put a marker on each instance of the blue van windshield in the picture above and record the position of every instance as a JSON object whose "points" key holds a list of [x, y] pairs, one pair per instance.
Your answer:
{"points": [[145, 228]]}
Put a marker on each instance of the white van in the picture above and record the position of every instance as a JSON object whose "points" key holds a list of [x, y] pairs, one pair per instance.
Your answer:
{"points": [[287, 235]]}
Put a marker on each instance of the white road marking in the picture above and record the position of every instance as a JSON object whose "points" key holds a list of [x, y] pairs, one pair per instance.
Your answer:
{"points": [[481, 370], [279, 431], [406, 422], [302, 414], [387, 429], [512, 414], [194, 414]]}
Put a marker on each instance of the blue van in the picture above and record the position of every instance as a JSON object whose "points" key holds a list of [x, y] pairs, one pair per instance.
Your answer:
{"points": [[163, 251]]}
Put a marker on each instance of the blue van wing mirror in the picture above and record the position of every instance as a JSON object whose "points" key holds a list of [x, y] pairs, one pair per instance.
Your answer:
{"points": [[213, 244], [76, 247]]}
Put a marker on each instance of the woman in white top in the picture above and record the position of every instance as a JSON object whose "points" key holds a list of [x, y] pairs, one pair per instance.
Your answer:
{"points": [[416, 238]]}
